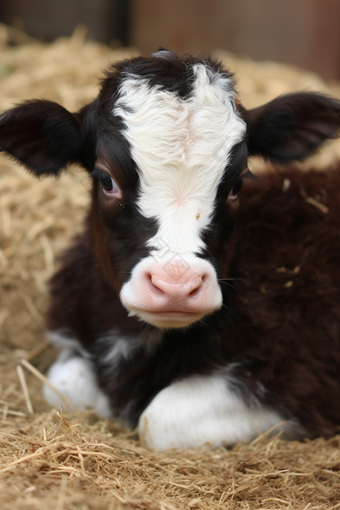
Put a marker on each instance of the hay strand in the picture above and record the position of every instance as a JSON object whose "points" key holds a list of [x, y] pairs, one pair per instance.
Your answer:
{"points": [[43, 379], [317, 204], [23, 383]]}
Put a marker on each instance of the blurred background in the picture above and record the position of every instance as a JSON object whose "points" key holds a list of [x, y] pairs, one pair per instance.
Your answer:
{"points": [[300, 32]]}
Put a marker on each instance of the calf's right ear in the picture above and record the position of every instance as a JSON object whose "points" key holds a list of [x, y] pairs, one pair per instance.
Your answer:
{"points": [[292, 127], [42, 135]]}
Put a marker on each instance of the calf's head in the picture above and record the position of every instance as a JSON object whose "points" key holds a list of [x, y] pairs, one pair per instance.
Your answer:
{"points": [[166, 143]]}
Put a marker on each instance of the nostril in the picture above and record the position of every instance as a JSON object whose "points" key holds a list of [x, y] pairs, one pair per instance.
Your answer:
{"points": [[195, 292], [197, 287], [190, 289], [154, 286]]}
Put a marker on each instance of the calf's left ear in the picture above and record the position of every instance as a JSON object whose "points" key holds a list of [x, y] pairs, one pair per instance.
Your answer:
{"points": [[292, 127], [41, 135]]}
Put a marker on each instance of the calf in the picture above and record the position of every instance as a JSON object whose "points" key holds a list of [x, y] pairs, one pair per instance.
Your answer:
{"points": [[189, 306]]}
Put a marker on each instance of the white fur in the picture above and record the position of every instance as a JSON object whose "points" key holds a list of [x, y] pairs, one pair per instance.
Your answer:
{"points": [[61, 339], [73, 372], [202, 409], [181, 148], [113, 347], [120, 349], [75, 378]]}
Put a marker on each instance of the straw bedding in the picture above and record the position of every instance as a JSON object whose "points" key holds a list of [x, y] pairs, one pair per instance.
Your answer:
{"points": [[48, 460]]}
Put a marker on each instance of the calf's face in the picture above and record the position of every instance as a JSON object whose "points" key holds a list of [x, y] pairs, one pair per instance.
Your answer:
{"points": [[157, 216], [166, 144]]}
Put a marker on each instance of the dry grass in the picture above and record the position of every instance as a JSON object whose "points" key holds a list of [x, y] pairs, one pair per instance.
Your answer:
{"points": [[77, 461], [84, 463]]}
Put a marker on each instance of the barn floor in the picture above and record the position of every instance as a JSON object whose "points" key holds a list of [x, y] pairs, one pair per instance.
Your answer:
{"points": [[53, 461]]}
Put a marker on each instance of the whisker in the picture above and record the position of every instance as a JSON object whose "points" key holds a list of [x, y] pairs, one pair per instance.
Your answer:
{"points": [[227, 308], [146, 327], [240, 279], [230, 285]]}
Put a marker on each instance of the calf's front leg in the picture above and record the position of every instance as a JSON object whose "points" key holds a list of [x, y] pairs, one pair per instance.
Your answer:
{"points": [[202, 409]]}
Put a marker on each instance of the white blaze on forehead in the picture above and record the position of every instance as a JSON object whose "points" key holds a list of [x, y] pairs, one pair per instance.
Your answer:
{"points": [[181, 148]]}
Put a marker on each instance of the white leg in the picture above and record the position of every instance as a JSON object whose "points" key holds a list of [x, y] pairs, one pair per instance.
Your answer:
{"points": [[202, 409], [74, 376]]}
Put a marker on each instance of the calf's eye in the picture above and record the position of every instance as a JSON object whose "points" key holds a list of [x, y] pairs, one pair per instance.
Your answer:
{"points": [[107, 182], [109, 186], [238, 185]]}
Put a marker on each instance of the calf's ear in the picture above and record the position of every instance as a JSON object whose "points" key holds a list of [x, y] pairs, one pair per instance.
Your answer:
{"points": [[42, 135], [292, 127]]}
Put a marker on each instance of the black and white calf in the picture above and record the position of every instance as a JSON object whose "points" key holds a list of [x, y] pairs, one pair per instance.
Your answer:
{"points": [[198, 310]]}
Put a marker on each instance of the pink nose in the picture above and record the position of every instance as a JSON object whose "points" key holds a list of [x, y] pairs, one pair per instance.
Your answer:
{"points": [[183, 290], [172, 293], [167, 292]]}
